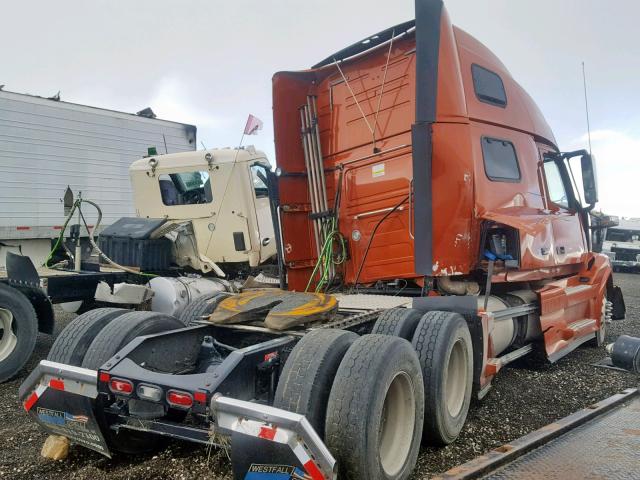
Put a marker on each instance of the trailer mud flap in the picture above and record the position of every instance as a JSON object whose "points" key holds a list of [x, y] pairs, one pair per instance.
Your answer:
{"points": [[269, 443], [259, 459], [60, 399]]}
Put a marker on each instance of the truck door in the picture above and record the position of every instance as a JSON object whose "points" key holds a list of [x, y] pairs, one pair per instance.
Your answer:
{"points": [[568, 235], [267, 243]]}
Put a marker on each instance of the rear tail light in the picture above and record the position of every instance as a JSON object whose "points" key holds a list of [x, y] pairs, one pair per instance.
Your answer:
{"points": [[149, 392], [104, 377], [200, 397], [120, 386], [179, 399]]}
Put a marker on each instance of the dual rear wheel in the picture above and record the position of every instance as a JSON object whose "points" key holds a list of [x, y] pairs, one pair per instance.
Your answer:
{"points": [[374, 398]]}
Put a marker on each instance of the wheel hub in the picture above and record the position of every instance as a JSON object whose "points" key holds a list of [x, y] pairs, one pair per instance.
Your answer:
{"points": [[8, 339], [397, 424], [456, 378]]}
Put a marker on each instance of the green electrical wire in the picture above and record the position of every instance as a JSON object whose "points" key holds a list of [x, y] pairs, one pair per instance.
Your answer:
{"points": [[327, 257]]}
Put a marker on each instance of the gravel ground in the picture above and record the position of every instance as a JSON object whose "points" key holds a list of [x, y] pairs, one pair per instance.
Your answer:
{"points": [[524, 398]]}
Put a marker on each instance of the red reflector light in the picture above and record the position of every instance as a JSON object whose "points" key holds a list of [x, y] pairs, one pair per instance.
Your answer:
{"points": [[104, 377], [270, 356], [179, 399], [200, 397], [122, 387]]}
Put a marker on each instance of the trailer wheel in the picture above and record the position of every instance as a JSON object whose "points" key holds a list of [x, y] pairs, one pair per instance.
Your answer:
{"points": [[112, 338], [202, 306], [307, 376], [443, 343], [73, 342], [18, 331], [398, 322], [376, 409]]}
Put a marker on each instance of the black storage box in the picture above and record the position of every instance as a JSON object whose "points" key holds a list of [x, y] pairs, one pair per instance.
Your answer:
{"points": [[127, 242]]}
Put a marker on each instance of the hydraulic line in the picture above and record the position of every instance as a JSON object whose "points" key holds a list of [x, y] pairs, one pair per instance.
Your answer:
{"points": [[328, 259], [78, 205]]}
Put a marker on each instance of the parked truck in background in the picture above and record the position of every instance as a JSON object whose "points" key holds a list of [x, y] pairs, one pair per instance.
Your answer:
{"points": [[622, 245], [203, 213], [430, 232], [47, 145]]}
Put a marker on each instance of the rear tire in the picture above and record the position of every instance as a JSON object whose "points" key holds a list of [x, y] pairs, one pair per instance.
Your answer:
{"points": [[307, 376], [202, 306], [107, 343], [18, 331], [443, 344], [398, 322], [122, 330], [73, 342], [376, 409]]}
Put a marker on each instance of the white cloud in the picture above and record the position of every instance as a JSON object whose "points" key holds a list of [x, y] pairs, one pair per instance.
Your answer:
{"points": [[618, 165], [171, 100]]}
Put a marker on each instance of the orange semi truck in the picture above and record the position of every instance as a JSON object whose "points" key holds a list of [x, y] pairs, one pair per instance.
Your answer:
{"points": [[429, 232]]}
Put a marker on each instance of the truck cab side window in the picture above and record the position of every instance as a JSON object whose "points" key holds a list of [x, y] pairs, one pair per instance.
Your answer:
{"points": [[500, 160], [555, 185], [259, 179]]}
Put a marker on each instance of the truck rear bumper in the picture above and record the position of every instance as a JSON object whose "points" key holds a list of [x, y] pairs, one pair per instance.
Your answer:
{"points": [[60, 398]]}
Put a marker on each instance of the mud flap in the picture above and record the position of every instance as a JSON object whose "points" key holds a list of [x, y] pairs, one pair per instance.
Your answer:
{"points": [[619, 308], [60, 399], [69, 415], [268, 443], [259, 459]]}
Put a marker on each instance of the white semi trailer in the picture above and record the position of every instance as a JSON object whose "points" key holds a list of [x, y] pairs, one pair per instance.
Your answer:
{"points": [[47, 145]]}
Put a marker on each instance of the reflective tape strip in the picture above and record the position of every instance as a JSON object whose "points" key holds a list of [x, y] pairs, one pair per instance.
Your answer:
{"points": [[33, 398], [267, 433], [262, 430], [56, 384], [308, 464]]}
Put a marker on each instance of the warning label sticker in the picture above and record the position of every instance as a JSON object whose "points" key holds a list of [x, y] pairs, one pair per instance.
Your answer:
{"points": [[274, 472], [377, 170]]}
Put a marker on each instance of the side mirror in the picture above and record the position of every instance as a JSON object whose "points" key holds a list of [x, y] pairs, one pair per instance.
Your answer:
{"points": [[589, 179]]}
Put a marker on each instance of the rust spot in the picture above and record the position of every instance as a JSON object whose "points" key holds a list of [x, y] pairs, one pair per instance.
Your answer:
{"points": [[504, 448], [632, 431]]}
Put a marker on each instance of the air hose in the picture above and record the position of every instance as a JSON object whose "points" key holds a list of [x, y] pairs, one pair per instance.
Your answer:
{"points": [[78, 205]]}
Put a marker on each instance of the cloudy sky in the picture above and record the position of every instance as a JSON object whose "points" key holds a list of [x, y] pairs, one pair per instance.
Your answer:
{"points": [[210, 62]]}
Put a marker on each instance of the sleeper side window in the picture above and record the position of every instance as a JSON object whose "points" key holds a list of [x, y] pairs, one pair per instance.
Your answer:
{"points": [[500, 160], [488, 86]]}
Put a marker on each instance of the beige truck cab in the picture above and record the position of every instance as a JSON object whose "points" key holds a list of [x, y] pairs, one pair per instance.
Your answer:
{"points": [[216, 203]]}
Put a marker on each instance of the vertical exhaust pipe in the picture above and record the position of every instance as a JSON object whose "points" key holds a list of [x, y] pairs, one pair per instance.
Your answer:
{"points": [[428, 17]]}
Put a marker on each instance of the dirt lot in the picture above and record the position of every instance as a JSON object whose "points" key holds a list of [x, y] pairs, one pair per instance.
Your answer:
{"points": [[524, 398]]}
